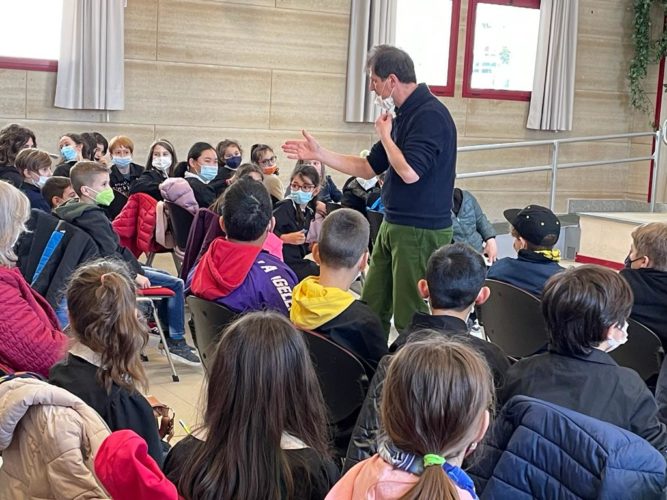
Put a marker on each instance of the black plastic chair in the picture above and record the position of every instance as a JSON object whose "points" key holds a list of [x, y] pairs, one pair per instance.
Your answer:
{"points": [[181, 221], [344, 384], [512, 319], [117, 205], [642, 352], [375, 219], [210, 319], [332, 206]]}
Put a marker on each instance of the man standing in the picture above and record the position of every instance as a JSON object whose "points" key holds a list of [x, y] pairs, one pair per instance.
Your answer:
{"points": [[417, 149]]}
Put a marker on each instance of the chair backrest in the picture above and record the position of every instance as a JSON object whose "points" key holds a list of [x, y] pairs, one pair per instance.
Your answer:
{"points": [[181, 221], [332, 206], [512, 319], [210, 320], [642, 352], [342, 376], [375, 220], [117, 205]]}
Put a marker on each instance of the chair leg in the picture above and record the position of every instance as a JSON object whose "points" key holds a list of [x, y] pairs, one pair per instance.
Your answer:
{"points": [[177, 262], [149, 259], [174, 375]]}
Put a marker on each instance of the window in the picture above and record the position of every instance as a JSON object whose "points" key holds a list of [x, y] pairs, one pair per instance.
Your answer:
{"points": [[30, 35], [428, 31], [501, 45]]}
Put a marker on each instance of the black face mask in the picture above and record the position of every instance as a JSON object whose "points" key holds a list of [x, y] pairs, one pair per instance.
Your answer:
{"points": [[628, 261]]}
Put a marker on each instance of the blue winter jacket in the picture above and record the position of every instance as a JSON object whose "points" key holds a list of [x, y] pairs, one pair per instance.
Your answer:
{"points": [[470, 224], [541, 450]]}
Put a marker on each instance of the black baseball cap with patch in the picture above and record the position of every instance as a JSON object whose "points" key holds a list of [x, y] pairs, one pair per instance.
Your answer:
{"points": [[535, 224]]}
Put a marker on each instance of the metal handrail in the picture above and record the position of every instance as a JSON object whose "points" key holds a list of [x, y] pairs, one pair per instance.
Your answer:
{"points": [[660, 137]]}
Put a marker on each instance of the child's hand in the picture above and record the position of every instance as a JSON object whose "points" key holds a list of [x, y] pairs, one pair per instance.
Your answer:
{"points": [[142, 281], [491, 249], [298, 238]]}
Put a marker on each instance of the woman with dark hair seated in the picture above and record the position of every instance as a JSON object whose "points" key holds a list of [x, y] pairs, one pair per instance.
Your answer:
{"points": [[586, 311], [264, 431]]}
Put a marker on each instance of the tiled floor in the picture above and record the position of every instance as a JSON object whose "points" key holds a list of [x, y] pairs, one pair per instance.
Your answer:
{"points": [[183, 396]]}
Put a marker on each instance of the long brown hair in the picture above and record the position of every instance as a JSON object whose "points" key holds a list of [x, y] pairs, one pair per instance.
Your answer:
{"points": [[101, 299], [261, 384], [434, 397]]}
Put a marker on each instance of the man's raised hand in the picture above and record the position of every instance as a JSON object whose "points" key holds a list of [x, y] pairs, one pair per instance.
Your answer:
{"points": [[308, 149]]}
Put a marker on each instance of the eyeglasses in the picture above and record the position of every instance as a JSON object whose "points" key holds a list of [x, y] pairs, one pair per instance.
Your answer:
{"points": [[268, 162], [306, 187]]}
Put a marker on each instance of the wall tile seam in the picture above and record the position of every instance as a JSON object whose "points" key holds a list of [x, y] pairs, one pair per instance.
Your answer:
{"points": [[268, 7], [227, 66]]}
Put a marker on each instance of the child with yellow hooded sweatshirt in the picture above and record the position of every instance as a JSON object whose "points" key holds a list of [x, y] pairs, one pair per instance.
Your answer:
{"points": [[324, 304]]}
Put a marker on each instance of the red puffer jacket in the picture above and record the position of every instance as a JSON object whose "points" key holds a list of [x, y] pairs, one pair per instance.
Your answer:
{"points": [[30, 338], [135, 225]]}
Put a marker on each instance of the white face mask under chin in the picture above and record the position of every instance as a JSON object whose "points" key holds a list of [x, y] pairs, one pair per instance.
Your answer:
{"points": [[613, 343]]}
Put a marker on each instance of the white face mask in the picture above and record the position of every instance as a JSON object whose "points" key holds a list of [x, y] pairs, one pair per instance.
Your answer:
{"points": [[386, 103], [367, 184], [613, 343], [162, 162]]}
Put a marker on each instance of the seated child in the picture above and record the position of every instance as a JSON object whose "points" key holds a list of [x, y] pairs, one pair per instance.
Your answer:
{"points": [[646, 272], [471, 226], [454, 283], [72, 148], [235, 271], [293, 217], [325, 305], [90, 181], [435, 410], [230, 157], [35, 167], [103, 366], [264, 157], [57, 190], [123, 170], [202, 174], [586, 310], [264, 424], [159, 167], [536, 230]]}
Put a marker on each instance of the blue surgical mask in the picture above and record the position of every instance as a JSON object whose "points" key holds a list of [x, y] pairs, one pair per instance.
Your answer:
{"points": [[208, 172], [300, 197], [68, 153], [233, 162], [42, 180], [122, 161]]}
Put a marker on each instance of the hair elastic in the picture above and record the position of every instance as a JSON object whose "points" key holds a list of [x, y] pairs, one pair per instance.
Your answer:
{"points": [[104, 276], [433, 459]]}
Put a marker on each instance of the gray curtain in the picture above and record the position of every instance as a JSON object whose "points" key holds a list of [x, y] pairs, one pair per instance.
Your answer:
{"points": [[372, 22], [552, 100], [90, 68]]}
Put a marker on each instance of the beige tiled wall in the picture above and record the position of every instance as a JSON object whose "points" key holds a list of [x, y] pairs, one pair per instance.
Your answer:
{"points": [[260, 70]]}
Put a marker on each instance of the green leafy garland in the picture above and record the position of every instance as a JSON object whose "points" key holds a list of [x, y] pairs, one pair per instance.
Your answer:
{"points": [[647, 51]]}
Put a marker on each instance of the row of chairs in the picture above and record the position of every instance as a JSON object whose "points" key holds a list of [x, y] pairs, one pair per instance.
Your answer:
{"points": [[341, 374], [512, 319]]}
